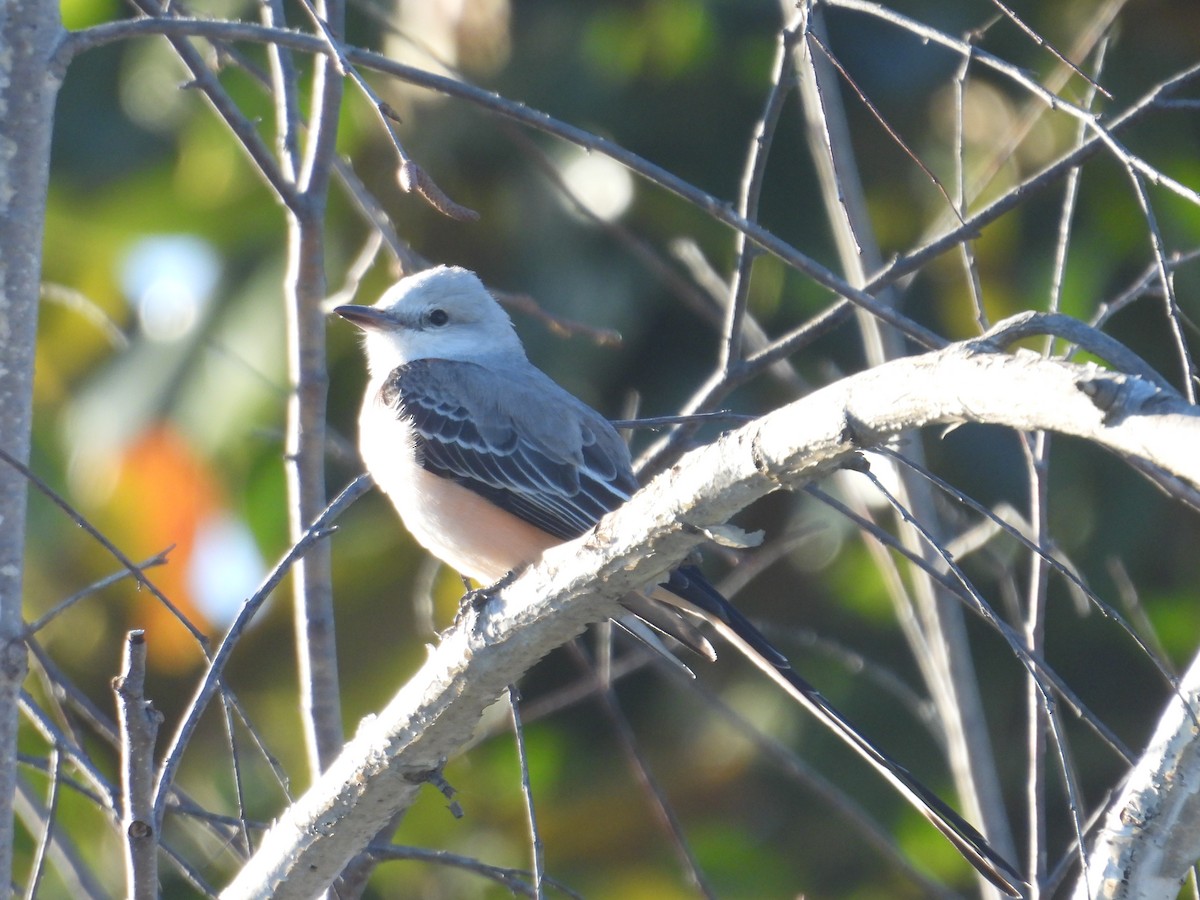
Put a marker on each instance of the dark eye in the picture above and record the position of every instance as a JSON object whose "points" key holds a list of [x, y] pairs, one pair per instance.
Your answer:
{"points": [[438, 317]]}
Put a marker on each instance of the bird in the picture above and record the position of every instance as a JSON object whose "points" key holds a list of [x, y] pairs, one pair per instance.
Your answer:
{"points": [[489, 462]]}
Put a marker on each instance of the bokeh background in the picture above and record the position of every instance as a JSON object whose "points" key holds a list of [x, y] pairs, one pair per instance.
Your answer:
{"points": [[160, 398]]}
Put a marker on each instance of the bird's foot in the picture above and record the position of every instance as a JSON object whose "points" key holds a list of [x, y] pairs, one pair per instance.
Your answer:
{"points": [[475, 599]]}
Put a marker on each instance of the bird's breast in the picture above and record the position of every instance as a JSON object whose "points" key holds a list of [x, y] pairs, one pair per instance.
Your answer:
{"points": [[461, 528]]}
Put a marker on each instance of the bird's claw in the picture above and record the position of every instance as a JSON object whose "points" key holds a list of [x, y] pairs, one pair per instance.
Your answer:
{"points": [[475, 599]]}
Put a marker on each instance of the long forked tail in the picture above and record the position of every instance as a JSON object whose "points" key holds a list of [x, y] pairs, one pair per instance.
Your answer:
{"points": [[690, 591]]}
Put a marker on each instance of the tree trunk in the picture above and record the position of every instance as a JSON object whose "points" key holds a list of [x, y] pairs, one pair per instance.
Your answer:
{"points": [[29, 80]]}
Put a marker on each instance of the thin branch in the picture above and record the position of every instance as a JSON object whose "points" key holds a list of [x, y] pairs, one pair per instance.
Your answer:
{"points": [[106, 794], [80, 303], [1073, 790], [305, 439], [1051, 678], [210, 683], [755, 170], [966, 248], [239, 788], [720, 384], [410, 176], [138, 723], [1037, 548], [560, 325], [1093, 85], [1141, 286], [45, 839], [63, 853], [133, 568], [1166, 282], [326, 103], [356, 271], [510, 879], [816, 41], [653, 791], [1031, 323], [158, 559], [1136, 611], [1037, 711], [535, 836], [245, 133], [285, 93], [1105, 133]]}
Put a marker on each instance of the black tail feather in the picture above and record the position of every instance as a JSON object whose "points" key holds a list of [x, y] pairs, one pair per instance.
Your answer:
{"points": [[700, 597]]}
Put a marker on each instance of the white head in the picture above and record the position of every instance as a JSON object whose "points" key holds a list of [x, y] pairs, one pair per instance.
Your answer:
{"points": [[441, 313]]}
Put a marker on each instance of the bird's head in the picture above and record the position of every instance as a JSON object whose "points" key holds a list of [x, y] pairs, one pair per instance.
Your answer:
{"points": [[441, 313]]}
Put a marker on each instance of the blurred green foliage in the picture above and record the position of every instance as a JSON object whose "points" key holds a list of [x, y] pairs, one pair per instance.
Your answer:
{"points": [[138, 156]]}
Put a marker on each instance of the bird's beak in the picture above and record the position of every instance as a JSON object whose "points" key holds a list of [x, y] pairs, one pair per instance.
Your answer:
{"points": [[365, 317]]}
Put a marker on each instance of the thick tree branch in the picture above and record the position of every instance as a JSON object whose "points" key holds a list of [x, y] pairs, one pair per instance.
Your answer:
{"points": [[1151, 836], [381, 769]]}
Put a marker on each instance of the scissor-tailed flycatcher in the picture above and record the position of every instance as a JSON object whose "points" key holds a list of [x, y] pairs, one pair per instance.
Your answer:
{"points": [[489, 462]]}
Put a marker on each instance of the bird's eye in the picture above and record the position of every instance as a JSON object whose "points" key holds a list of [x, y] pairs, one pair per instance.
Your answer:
{"points": [[437, 317]]}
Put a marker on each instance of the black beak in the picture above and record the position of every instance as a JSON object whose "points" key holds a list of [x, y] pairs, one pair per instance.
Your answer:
{"points": [[367, 317]]}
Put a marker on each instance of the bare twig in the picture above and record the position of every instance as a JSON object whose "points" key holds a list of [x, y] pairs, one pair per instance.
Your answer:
{"points": [[409, 175], [1028, 324], [510, 879], [653, 791], [523, 303], [133, 568], [105, 793], [304, 456], [535, 836], [1049, 676], [63, 853], [815, 40], [1040, 549], [46, 837], [1009, 14], [42, 621], [78, 302], [1167, 284], [285, 93], [754, 172], [138, 723], [1037, 711], [966, 248], [212, 676]]}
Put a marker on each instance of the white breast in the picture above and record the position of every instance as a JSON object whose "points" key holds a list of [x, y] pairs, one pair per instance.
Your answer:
{"points": [[459, 527]]}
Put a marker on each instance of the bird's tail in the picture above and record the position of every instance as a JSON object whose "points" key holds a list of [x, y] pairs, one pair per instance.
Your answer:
{"points": [[690, 591]]}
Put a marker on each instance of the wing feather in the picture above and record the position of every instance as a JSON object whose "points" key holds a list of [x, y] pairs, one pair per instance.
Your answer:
{"points": [[519, 440]]}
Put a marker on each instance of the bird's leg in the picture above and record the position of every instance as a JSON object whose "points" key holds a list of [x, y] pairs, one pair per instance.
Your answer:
{"points": [[475, 598]]}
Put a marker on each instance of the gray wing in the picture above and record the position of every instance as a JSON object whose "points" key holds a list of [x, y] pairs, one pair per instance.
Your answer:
{"points": [[516, 438]]}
